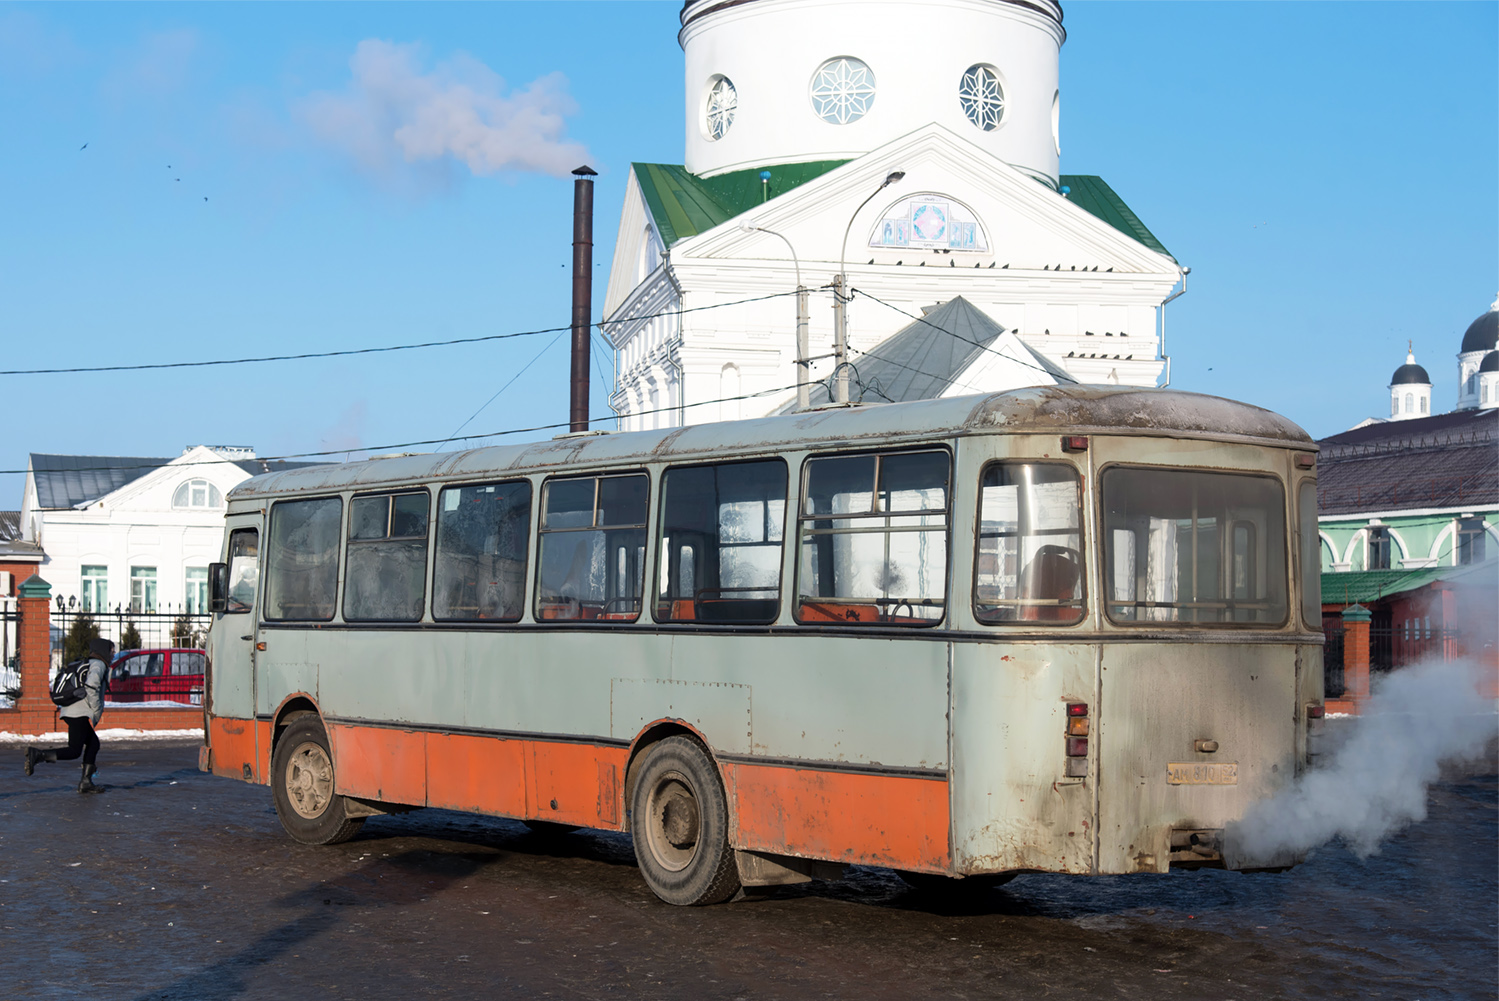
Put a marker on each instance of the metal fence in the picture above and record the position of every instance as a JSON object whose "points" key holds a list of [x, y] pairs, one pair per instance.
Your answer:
{"points": [[10, 667], [127, 630]]}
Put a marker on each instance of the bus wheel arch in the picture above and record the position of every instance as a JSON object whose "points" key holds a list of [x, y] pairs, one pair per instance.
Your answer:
{"points": [[653, 734]]}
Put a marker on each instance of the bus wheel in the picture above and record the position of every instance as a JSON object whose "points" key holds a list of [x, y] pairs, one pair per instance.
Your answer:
{"points": [[302, 784], [948, 886], [680, 825]]}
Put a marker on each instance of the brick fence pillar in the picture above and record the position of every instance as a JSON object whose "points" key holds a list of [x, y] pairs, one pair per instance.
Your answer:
{"points": [[1356, 655], [34, 650]]}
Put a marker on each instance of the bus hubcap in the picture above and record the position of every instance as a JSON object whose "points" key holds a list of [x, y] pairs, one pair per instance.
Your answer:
{"points": [[309, 781], [675, 823]]}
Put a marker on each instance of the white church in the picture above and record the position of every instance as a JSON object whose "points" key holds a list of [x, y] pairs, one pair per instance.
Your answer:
{"points": [[829, 138]]}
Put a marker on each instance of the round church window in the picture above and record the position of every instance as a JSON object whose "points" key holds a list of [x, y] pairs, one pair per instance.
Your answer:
{"points": [[842, 90], [723, 101], [982, 97]]}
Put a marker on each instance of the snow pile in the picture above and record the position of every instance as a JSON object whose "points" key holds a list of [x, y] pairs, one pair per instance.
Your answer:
{"points": [[104, 735], [1373, 785]]}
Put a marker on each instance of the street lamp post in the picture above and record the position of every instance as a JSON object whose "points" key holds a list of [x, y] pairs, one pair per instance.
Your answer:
{"points": [[841, 297], [803, 387]]}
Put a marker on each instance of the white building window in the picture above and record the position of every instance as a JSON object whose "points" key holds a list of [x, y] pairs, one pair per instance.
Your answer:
{"points": [[195, 590], [1410, 404], [842, 90], [718, 112], [1423, 404], [143, 590], [981, 96], [197, 493], [95, 588]]}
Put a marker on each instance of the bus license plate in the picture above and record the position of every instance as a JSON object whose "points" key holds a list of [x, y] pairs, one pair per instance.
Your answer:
{"points": [[1195, 774]]}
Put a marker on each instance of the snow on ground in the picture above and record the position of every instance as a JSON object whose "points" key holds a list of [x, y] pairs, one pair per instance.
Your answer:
{"points": [[104, 735]]}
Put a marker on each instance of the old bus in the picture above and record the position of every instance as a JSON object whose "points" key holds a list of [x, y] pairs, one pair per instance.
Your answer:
{"points": [[1070, 630]]}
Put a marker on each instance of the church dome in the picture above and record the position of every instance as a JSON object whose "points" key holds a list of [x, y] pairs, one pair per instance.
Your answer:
{"points": [[773, 82], [1483, 333], [1490, 361], [1410, 374]]}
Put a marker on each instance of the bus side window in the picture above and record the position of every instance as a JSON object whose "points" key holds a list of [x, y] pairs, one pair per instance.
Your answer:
{"points": [[387, 575], [873, 532], [482, 532], [1030, 564], [302, 560], [721, 537], [591, 548], [244, 569]]}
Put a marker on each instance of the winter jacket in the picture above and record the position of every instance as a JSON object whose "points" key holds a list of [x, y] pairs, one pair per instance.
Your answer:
{"points": [[92, 704]]}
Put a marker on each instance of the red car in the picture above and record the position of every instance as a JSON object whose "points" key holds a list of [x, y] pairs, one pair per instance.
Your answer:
{"points": [[167, 675]]}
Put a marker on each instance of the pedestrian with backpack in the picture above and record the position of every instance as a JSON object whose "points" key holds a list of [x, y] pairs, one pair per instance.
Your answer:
{"points": [[81, 716]]}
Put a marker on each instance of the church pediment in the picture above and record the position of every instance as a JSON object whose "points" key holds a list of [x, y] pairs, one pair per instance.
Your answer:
{"points": [[956, 206]]}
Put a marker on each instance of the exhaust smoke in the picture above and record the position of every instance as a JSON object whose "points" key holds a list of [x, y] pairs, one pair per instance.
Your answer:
{"points": [[1374, 783]]}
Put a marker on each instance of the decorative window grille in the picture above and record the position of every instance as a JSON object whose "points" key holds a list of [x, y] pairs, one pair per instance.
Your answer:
{"points": [[723, 101], [842, 90], [982, 97]]}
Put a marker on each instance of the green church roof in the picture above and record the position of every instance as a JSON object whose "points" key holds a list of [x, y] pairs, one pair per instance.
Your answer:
{"points": [[683, 204]]}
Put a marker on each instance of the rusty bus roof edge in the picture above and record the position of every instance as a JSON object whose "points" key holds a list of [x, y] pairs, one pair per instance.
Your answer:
{"points": [[1132, 412]]}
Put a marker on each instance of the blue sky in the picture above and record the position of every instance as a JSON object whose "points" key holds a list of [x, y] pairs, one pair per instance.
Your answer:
{"points": [[1329, 171]]}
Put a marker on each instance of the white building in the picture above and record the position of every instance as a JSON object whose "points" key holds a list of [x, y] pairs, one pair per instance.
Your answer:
{"points": [[1478, 362], [132, 533], [797, 113]]}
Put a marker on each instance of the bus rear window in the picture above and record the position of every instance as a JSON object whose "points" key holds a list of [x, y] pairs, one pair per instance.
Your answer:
{"points": [[1200, 548], [874, 540], [1030, 565], [302, 560]]}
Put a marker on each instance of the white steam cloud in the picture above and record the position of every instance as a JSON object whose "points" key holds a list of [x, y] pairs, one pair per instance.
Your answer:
{"points": [[1374, 784], [394, 112]]}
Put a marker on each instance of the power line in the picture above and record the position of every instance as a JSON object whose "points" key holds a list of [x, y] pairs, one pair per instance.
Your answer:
{"points": [[366, 351], [412, 444], [506, 386]]}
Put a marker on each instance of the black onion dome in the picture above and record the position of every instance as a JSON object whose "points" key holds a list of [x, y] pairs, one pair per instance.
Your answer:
{"points": [[1490, 362], [1483, 333], [1410, 374]]}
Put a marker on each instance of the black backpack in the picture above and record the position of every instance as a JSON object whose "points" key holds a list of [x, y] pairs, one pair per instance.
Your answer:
{"points": [[70, 684]]}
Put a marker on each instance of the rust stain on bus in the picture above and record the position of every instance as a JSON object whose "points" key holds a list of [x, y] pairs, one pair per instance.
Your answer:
{"points": [[884, 820]]}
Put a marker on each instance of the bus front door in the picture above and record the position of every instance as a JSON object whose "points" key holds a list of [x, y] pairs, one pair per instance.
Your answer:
{"points": [[231, 638]]}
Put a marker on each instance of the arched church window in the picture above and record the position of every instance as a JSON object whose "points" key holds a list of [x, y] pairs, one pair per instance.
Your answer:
{"points": [[722, 102], [1410, 404], [1423, 404], [197, 493], [982, 96], [842, 90]]}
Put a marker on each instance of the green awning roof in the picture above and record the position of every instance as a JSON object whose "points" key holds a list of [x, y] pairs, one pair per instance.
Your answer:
{"points": [[1089, 192], [683, 204], [1364, 586]]}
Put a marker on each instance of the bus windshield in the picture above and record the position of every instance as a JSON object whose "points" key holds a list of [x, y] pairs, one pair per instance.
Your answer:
{"points": [[1194, 547]]}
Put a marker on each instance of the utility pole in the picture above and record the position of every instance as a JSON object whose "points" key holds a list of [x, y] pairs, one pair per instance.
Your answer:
{"points": [[582, 295], [840, 298]]}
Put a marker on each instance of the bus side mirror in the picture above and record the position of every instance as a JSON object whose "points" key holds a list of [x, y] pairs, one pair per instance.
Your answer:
{"points": [[218, 587]]}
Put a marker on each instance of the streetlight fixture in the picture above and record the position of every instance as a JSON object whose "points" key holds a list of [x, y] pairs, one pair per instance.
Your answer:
{"points": [[840, 298], [803, 388]]}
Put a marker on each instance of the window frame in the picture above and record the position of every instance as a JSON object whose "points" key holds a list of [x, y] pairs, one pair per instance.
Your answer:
{"points": [[1290, 525], [1082, 532], [804, 482], [264, 560], [533, 524], [660, 537], [348, 542], [541, 530]]}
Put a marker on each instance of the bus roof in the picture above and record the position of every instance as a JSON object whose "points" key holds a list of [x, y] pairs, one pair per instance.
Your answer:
{"points": [[1069, 409]]}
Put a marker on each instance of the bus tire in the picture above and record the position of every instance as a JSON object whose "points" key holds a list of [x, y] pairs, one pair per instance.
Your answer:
{"points": [[679, 821], [933, 884], [302, 784]]}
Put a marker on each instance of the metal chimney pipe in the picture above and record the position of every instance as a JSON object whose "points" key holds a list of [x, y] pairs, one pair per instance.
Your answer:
{"points": [[582, 294]]}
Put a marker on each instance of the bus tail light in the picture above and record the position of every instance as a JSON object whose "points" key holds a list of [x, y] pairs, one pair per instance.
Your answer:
{"points": [[1316, 712], [1077, 747], [1305, 460], [1077, 739], [1074, 443], [1077, 726], [1077, 709]]}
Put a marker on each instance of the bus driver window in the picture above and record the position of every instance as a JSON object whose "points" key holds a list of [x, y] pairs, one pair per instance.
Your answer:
{"points": [[244, 569]]}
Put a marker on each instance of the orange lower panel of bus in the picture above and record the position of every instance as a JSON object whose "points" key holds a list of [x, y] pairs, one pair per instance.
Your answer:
{"points": [[851, 817]]}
